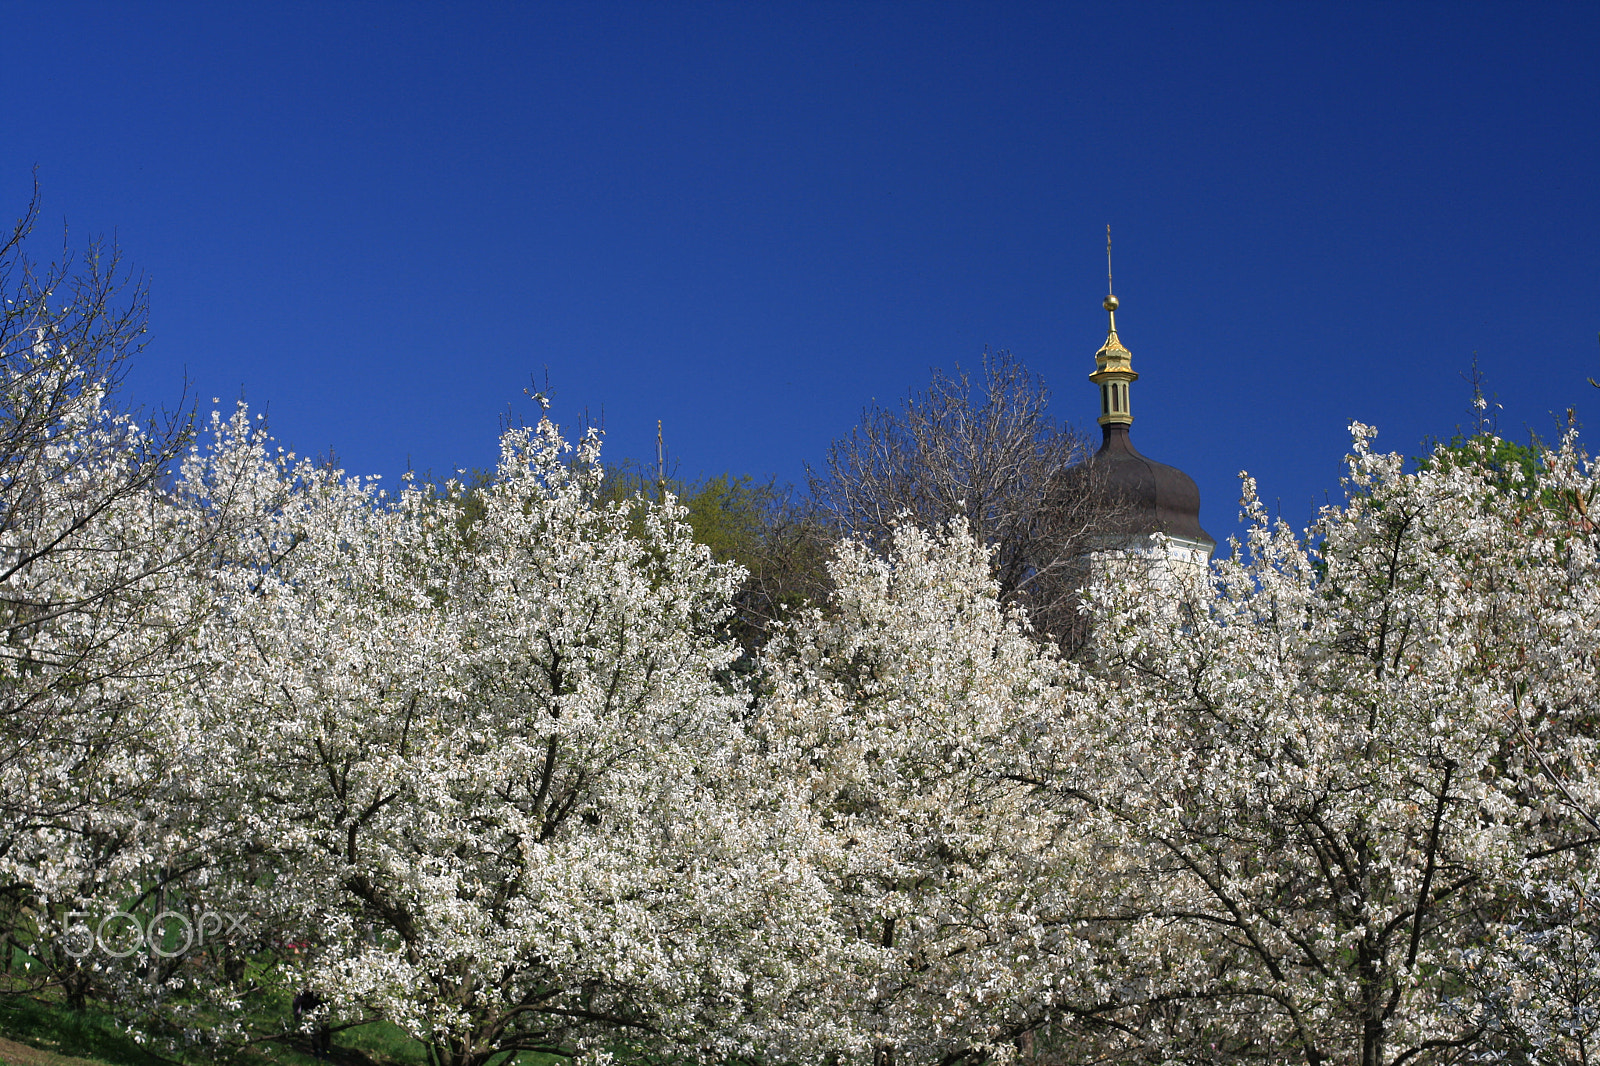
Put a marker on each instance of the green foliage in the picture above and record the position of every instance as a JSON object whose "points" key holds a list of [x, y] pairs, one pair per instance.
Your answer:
{"points": [[1516, 470], [474, 481], [1513, 463], [759, 525], [730, 515]]}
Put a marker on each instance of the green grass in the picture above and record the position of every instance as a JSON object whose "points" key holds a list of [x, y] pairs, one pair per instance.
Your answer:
{"points": [[383, 1043], [87, 1034], [95, 1036], [63, 1037]]}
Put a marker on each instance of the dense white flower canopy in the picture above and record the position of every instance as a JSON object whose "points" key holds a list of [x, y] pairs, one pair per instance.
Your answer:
{"points": [[484, 739], [472, 760]]}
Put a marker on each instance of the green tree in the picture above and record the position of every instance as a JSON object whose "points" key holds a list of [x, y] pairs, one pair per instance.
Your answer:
{"points": [[762, 526]]}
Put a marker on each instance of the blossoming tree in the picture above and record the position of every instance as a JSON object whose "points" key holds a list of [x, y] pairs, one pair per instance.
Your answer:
{"points": [[958, 888], [1338, 767], [479, 766], [1310, 812], [102, 548]]}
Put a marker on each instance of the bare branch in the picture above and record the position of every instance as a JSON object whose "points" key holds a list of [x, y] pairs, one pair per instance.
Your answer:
{"points": [[987, 452]]}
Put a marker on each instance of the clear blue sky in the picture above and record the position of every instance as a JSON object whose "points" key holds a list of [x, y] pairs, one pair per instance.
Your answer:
{"points": [[750, 219]]}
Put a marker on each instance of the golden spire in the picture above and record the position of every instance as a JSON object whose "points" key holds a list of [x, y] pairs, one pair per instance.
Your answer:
{"points": [[1110, 302], [1113, 363]]}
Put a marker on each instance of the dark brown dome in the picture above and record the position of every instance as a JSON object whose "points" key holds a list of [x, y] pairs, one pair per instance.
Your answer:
{"points": [[1149, 497]]}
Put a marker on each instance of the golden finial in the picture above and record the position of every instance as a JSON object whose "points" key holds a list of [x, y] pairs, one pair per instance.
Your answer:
{"points": [[1113, 370], [1110, 302]]}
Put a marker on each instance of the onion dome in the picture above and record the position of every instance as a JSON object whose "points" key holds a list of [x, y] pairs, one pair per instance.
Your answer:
{"points": [[1149, 497]]}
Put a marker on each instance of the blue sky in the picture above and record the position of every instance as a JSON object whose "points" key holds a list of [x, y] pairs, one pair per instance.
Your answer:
{"points": [[381, 221]]}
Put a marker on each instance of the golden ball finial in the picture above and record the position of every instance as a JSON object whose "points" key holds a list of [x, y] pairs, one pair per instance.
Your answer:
{"points": [[1109, 303]]}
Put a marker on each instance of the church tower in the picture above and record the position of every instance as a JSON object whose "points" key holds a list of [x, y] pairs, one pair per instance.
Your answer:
{"points": [[1142, 497]]}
